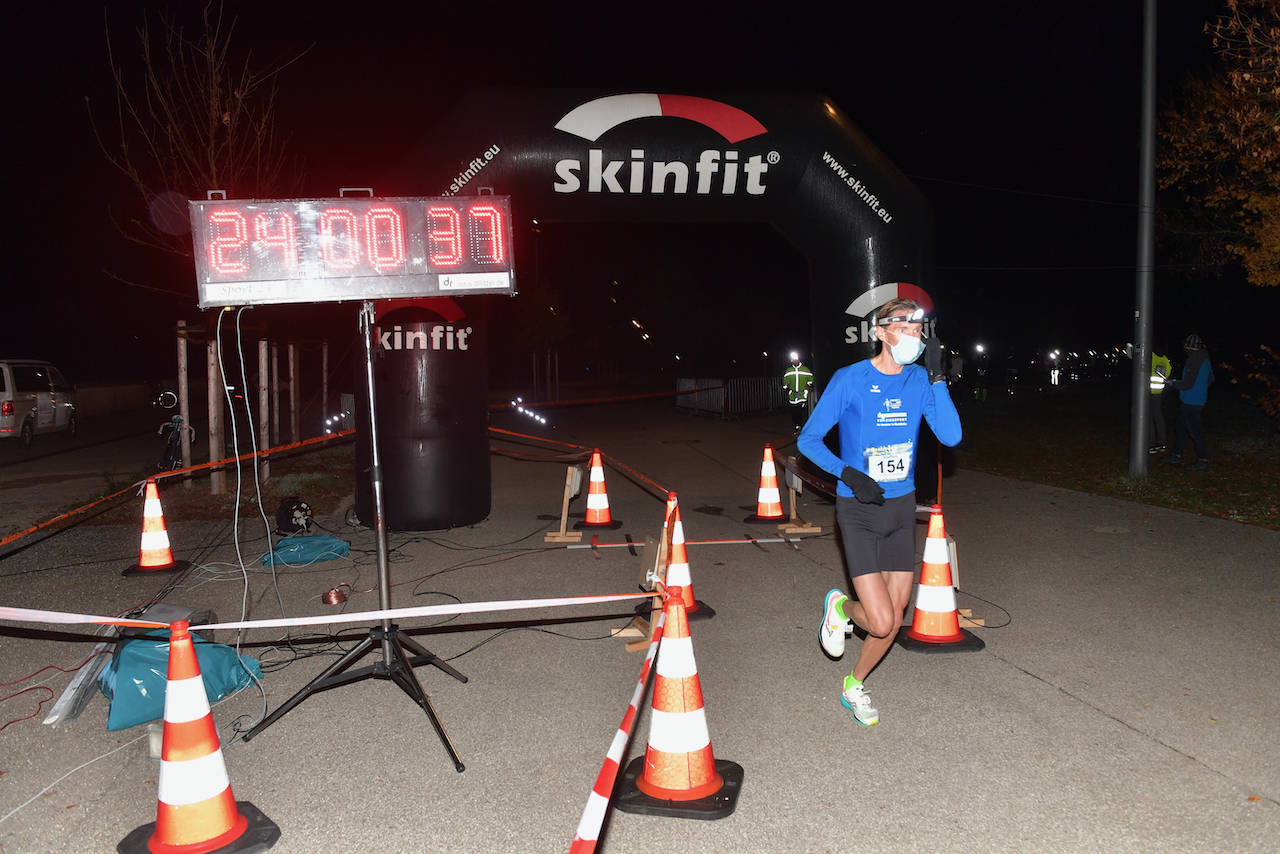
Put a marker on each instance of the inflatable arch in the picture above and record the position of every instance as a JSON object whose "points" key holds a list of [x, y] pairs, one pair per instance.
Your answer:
{"points": [[792, 160]]}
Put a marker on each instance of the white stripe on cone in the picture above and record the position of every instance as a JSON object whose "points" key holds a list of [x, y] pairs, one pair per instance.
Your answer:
{"points": [[185, 700], [678, 732], [937, 600], [675, 658], [155, 540], [935, 551], [193, 781]]}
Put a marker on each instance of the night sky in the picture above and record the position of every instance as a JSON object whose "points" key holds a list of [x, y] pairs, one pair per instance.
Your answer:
{"points": [[1017, 120]]}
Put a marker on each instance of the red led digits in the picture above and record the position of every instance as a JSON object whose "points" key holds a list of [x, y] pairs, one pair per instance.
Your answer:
{"points": [[228, 232], [339, 244], [284, 240], [384, 238], [445, 243], [486, 235]]}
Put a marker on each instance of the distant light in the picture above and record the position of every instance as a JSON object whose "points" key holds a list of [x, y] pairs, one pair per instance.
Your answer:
{"points": [[981, 349], [677, 357]]}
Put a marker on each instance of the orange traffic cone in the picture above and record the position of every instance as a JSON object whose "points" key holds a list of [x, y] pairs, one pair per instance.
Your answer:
{"points": [[768, 500], [936, 624], [597, 498], [156, 555], [679, 774], [196, 812], [678, 576]]}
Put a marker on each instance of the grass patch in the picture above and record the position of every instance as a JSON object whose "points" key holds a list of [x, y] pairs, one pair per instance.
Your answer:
{"points": [[323, 477], [1078, 437]]}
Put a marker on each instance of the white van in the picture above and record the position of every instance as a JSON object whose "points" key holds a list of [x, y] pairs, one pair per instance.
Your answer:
{"points": [[34, 398]]}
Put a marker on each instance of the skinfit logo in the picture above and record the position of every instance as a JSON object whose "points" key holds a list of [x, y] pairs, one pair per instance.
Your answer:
{"points": [[715, 171]]}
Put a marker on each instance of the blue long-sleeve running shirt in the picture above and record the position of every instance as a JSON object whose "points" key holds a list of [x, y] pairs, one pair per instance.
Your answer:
{"points": [[879, 417]]}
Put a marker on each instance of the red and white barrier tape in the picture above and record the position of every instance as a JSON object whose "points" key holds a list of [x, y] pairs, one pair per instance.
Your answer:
{"points": [[588, 833], [28, 615]]}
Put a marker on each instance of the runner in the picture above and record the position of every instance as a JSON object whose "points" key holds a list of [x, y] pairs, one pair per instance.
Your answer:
{"points": [[877, 404]]}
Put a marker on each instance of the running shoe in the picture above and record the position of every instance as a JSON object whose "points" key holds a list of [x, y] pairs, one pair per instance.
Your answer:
{"points": [[855, 699], [1198, 465], [833, 629], [1171, 460]]}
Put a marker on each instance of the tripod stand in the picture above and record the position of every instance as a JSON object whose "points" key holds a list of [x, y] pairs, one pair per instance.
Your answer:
{"points": [[396, 664]]}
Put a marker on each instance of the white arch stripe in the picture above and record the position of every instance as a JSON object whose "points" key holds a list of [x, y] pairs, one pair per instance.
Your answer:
{"points": [[597, 501], [877, 296], [675, 658], [769, 495], [938, 600], [592, 119], [678, 733], [185, 700], [151, 508], [193, 781], [597, 474]]}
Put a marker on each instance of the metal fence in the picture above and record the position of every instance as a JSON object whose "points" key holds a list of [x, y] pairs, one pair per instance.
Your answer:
{"points": [[732, 398]]}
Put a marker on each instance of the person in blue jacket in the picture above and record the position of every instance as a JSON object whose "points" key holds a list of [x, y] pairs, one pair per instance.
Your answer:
{"points": [[877, 405], [1193, 393]]}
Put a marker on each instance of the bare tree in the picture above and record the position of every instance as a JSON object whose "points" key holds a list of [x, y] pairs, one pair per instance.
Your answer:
{"points": [[192, 119]]}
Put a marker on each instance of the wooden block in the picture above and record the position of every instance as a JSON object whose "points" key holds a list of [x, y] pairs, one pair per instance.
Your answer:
{"points": [[966, 622], [806, 528], [568, 537], [639, 645]]}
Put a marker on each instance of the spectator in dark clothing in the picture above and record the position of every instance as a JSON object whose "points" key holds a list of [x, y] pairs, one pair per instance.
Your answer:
{"points": [[1193, 392]]}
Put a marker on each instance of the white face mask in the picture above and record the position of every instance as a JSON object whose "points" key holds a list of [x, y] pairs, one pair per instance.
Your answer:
{"points": [[907, 350]]}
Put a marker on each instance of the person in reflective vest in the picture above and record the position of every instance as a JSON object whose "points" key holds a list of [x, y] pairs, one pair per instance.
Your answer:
{"points": [[1161, 368], [798, 380]]}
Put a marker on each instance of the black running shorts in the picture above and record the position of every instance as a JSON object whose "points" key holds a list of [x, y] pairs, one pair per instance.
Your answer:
{"points": [[878, 537]]}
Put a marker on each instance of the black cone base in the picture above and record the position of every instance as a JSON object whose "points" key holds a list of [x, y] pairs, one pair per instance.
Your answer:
{"points": [[608, 526], [970, 643], [753, 519], [176, 566], [629, 798], [260, 835]]}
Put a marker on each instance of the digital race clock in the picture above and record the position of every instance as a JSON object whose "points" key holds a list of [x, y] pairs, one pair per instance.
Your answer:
{"points": [[323, 250]]}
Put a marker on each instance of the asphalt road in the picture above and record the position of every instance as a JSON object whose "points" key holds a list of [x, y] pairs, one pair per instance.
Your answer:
{"points": [[1128, 698]]}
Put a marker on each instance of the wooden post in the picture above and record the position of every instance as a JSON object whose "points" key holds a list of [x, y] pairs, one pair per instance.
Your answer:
{"points": [[565, 536], [324, 378], [275, 394], [294, 435], [796, 525], [184, 401], [217, 478], [264, 404]]}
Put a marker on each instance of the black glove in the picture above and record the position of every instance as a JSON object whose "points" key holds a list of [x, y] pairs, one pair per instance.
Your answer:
{"points": [[864, 488], [933, 360]]}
